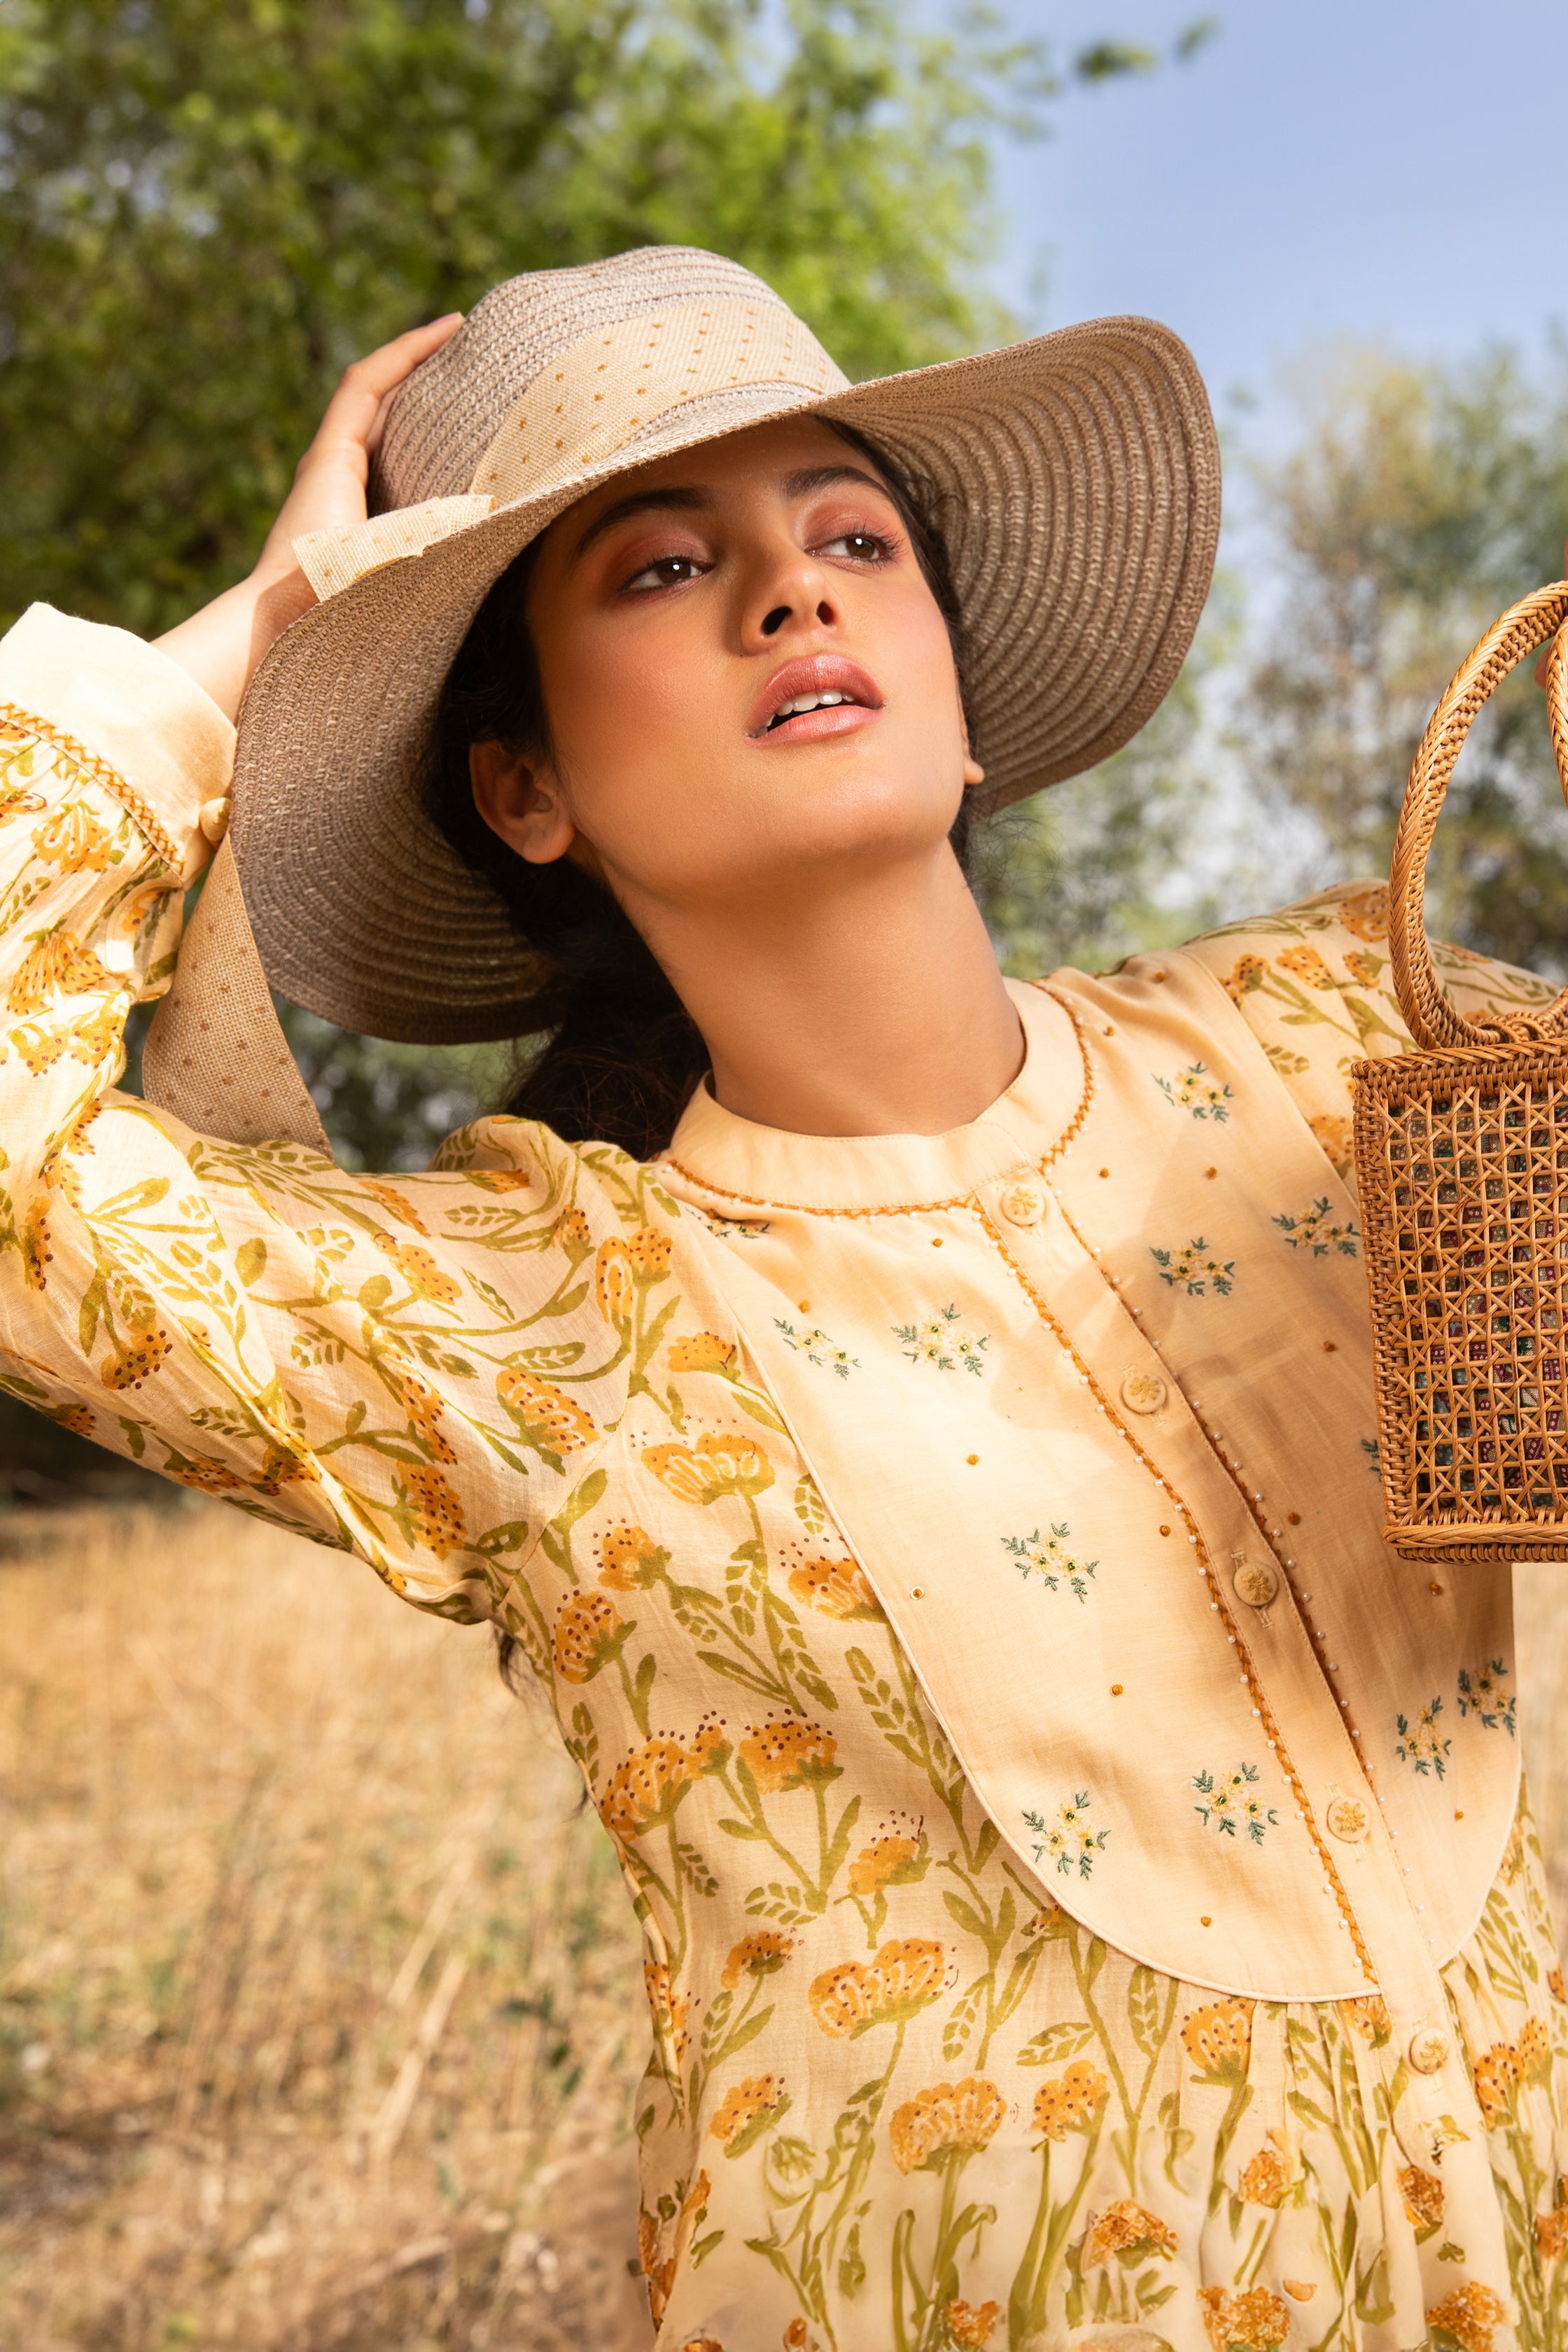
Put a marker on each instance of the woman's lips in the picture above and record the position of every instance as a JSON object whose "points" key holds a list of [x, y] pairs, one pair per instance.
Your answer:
{"points": [[816, 674]]}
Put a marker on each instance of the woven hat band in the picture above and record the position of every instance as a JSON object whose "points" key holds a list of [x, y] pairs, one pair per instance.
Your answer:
{"points": [[597, 394]]}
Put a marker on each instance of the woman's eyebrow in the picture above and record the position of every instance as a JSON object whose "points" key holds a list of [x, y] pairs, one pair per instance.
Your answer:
{"points": [[639, 502], [822, 478]]}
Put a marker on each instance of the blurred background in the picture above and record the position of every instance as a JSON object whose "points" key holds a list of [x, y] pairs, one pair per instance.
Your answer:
{"points": [[318, 2016]]}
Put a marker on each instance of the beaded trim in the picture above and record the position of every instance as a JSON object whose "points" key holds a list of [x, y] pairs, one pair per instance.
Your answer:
{"points": [[14, 719]]}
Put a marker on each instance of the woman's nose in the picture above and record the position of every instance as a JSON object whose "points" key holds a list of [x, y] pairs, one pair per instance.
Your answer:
{"points": [[799, 592]]}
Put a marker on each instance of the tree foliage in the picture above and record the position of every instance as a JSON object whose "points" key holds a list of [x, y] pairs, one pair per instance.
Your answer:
{"points": [[208, 206], [1419, 502]]}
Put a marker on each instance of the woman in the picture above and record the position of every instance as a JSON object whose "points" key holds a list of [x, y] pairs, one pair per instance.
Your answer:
{"points": [[916, 1427]]}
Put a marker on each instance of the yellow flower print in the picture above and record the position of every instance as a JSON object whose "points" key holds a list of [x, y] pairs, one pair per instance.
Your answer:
{"points": [[1420, 1743], [1254, 2318], [646, 1787], [1219, 2039], [58, 965], [701, 1352], [1499, 2072], [1423, 2196], [1365, 912], [1247, 974], [838, 1588], [670, 2009], [1467, 2319], [441, 1510], [549, 1420], [1320, 1234], [1192, 1089], [891, 1860], [944, 1342], [1266, 2179], [630, 1557], [206, 1473], [1367, 969], [854, 1995], [424, 1409], [969, 2325], [948, 2119], [760, 1954], [1552, 2228], [589, 1633], [500, 1180], [1127, 2228], [664, 2241], [1069, 2102], [73, 839], [747, 2110], [716, 1465], [648, 1253], [614, 1285], [35, 1251], [1534, 2047], [572, 1235], [1368, 2017], [420, 1271], [398, 1203], [132, 1364], [1334, 1135], [1304, 964], [1192, 1269], [818, 1349], [1481, 1694], [1512, 1862], [1068, 1840], [789, 1755], [1554, 1984]]}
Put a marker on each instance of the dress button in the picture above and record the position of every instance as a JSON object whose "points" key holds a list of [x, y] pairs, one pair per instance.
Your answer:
{"points": [[1255, 1583], [1023, 1204], [1428, 2050], [1350, 1819], [1143, 1391]]}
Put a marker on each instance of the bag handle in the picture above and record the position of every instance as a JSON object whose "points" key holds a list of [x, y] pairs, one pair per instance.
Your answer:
{"points": [[1433, 1020]]}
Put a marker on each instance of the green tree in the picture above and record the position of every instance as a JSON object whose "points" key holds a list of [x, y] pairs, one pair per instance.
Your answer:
{"points": [[1420, 502]]}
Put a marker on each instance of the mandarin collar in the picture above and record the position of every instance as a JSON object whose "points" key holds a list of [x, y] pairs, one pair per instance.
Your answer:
{"points": [[735, 1160]]}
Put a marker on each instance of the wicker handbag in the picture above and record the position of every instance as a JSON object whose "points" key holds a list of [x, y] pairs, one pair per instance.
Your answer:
{"points": [[1462, 1153]]}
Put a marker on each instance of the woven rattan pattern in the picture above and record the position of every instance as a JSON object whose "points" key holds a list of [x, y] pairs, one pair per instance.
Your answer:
{"points": [[1463, 1173], [1462, 1165]]}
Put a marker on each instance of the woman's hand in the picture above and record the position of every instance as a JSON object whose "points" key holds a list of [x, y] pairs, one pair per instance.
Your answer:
{"points": [[221, 645]]}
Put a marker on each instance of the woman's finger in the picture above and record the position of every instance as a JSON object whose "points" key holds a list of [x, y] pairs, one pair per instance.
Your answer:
{"points": [[354, 411]]}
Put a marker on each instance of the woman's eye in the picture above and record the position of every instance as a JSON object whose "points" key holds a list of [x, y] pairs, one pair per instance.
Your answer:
{"points": [[667, 572], [860, 546]]}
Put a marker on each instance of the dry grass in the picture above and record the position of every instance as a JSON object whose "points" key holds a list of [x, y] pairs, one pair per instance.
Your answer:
{"points": [[319, 2002], [319, 2006]]}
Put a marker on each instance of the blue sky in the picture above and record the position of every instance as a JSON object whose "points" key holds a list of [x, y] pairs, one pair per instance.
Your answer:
{"points": [[1372, 168]]}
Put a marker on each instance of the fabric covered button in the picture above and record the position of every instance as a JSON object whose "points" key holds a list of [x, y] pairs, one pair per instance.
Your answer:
{"points": [[214, 819], [1143, 1391], [1255, 1583], [1428, 2050], [1349, 1818], [1023, 1204]]}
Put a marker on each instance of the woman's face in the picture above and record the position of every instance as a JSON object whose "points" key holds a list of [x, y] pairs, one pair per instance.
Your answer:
{"points": [[689, 618]]}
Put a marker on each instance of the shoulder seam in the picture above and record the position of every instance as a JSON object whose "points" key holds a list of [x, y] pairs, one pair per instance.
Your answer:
{"points": [[15, 720]]}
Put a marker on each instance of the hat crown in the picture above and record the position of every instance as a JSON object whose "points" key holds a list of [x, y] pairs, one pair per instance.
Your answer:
{"points": [[443, 417]]}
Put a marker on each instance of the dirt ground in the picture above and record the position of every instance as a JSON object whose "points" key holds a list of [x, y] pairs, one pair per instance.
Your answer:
{"points": [[321, 2011]]}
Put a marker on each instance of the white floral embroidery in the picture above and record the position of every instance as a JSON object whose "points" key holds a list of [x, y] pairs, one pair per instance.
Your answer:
{"points": [[1050, 1561], [1480, 1693], [1227, 1802], [1191, 1269], [1193, 1090], [1068, 1840], [1420, 1743], [818, 1349], [1316, 1231], [942, 1342]]}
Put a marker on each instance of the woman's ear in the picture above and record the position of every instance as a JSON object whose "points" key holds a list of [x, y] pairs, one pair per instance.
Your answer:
{"points": [[519, 799]]}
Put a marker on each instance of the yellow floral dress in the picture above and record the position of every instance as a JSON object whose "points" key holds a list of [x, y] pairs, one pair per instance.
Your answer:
{"points": [[1086, 1891]]}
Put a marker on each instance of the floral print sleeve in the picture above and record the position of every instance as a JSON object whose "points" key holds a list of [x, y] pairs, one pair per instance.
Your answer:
{"points": [[1315, 985], [418, 1372]]}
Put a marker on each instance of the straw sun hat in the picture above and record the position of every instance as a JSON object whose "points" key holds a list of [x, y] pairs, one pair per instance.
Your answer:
{"points": [[1077, 493]]}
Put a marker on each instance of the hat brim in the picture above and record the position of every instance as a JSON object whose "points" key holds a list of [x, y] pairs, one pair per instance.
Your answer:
{"points": [[1077, 493]]}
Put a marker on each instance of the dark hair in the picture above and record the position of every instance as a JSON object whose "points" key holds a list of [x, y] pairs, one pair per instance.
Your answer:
{"points": [[620, 1055]]}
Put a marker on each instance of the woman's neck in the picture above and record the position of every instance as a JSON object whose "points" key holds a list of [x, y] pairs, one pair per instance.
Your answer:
{"points": [[868, 1007]]}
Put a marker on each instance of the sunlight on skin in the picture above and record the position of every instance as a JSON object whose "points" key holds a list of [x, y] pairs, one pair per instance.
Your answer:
{"points": [[794, 879]]}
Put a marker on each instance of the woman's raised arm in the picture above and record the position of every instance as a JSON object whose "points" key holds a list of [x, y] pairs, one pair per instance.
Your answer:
{"points": [[415, 1369]]}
